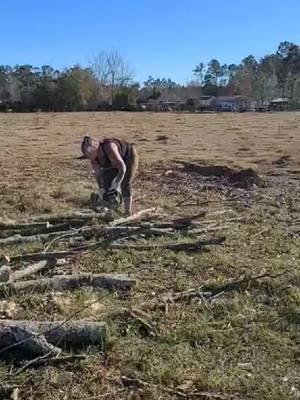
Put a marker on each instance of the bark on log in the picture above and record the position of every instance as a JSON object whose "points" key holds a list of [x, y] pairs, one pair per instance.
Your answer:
{"points": [[54, 361], [61, 334], [17, 239], [28, 339], [85, 215], [139, 215], [24, 225], [68, 282], [76, 250], [55, 254], [5, 272], [35, 229], [31, 270], [42, 256], [194, 246]]}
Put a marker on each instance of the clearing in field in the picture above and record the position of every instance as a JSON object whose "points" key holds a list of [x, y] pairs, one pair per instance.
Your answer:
{"points": [[207, 307]]}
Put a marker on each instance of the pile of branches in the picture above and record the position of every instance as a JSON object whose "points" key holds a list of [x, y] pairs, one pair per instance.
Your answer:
{"points": [[43, 341], [79, 229]]}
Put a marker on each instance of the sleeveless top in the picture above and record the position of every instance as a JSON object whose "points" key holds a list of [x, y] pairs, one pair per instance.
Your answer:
{"points": [[125, 150]]}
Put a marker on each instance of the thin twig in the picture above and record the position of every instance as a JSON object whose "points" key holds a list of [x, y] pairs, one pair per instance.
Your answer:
{"points": [[180, 203], [65, 235], [148, 326], [43, 360], [30, 363]]}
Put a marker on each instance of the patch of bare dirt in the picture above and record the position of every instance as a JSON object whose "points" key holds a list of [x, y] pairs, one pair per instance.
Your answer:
{"points": [[243, 178]]}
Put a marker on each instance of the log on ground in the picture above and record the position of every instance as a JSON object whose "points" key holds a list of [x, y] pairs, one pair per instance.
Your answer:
{"points": [[18, 239], [27, 340], [5, 272], [86, 215], [192, 246], [68, 282], [35, 229], [61, 334], [31, 270], [137, 216]]}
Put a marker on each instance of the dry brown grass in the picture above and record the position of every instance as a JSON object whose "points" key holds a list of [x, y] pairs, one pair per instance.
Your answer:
{"points": [[248, 342]]}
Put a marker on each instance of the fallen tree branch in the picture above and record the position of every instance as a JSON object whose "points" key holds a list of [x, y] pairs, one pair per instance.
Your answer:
{"points": [[86, 215], [18, 239], [35, 229], [236, 285], [192, 246], [25, 225], [5, 272], [68, 282], [38, 362], [46, 360], [209, 293], [187, 221], [75, 333], [137, 216], [60, 325], [75, 250], [35, 345], [184, 201], [53, 254], [141, 317], [31, 270]]}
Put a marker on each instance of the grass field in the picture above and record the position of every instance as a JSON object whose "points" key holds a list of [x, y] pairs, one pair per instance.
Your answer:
{"points": [[246, 343]]}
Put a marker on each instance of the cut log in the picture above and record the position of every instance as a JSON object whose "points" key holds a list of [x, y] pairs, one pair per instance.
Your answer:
{"points": [[42, 256], [5, 272], [36, 229], [25, 225], [68, 282], [59, 333], [137, 216], [31, 270], [57, 254], [18, 239], [86, 215], [28, 340], [193, 246], [187, 221]]}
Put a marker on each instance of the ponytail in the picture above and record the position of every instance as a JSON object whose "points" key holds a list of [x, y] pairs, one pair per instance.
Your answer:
{"points": [[87, 141]]}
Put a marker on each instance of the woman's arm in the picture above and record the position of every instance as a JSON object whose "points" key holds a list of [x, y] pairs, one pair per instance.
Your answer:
{"points": [[115, 158], [97, 170]]}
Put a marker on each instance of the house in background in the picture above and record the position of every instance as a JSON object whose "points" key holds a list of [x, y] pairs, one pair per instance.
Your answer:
{"points": [[166, 99], [201, 103], [279, 104], [232, 103], [190, 99]]}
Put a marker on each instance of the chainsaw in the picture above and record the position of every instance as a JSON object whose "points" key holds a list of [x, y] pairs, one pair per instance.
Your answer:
{"points": [[112, 199]]}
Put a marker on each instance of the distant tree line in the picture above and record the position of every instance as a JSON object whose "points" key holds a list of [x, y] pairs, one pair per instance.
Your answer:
{"points": [[274, 75], [107, 83]]}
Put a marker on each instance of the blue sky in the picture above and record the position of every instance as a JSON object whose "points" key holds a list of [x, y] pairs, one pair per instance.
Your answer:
{"points": [[159, 38]]}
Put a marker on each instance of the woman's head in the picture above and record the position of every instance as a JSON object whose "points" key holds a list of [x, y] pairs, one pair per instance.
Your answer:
{"points": [[88, 146]]}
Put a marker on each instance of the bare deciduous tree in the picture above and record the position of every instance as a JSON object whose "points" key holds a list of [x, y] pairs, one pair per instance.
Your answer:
{"points": [[112, 71]]}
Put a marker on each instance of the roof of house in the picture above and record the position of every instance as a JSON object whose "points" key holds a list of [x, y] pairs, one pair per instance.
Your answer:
{"points": [[280, 100]]}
